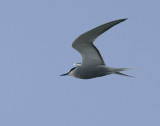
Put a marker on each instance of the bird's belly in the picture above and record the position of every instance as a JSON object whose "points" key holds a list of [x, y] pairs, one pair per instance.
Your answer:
{"points": [[91, 72]]}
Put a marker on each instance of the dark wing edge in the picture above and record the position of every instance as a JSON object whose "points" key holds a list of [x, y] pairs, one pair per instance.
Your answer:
{"points": [[96, 32], [98, 54]]}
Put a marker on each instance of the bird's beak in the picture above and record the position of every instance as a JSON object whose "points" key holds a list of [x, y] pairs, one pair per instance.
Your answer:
{"points": [[64, 74]]}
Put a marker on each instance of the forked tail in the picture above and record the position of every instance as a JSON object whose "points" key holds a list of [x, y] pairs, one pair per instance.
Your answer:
{"points": [[123, 69], [123, 74]]}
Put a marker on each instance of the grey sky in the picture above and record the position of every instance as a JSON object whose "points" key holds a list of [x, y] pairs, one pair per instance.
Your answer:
{"points": [[35, 49]]}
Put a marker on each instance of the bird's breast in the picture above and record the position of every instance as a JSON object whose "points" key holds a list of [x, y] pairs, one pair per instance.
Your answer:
{"points": [[87, 72]]}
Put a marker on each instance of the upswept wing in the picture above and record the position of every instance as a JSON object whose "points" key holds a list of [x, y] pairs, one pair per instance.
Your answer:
{"points": [[84, 44]]}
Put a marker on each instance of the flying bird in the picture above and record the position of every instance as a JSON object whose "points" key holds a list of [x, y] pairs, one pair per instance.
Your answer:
{"points": [[93, 64]]}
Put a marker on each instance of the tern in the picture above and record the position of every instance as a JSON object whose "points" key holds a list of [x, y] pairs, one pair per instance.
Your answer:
{"points": [[93, 64]]}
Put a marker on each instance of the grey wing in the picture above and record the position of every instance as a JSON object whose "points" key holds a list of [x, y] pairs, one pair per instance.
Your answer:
{"points": [[84, 44]]}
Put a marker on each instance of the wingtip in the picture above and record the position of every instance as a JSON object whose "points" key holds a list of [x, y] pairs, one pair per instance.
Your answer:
{"points": [[124, 19], [121, 20]]}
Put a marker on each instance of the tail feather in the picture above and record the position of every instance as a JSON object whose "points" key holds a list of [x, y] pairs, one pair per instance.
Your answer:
{"points": [[123, 74], [118, 70], [124, 69]]}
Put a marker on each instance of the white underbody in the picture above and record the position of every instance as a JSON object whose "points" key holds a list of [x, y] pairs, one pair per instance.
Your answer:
{"points": [[92, 71]]}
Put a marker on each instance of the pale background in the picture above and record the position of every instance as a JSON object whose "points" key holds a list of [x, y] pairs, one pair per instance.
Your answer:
{"points": [[35, 39]]}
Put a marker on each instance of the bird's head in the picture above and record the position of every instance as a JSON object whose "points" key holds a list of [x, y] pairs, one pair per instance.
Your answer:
{"points": [[68, 72]]}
